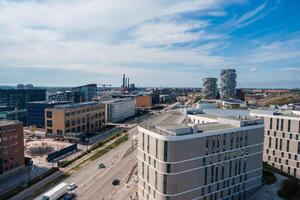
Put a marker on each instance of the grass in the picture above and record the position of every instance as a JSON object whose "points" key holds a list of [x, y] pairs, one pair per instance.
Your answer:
{"points": [[19, 189], [48, 186], [93, 147], [101, 152]]}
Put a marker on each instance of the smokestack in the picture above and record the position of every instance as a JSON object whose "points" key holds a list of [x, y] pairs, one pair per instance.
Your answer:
{"points": [[123, 80]]}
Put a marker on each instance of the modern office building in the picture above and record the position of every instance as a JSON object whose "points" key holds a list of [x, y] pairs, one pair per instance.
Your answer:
{"points": [[117, 110], [199, 156], [86, 118], [73, 97], [210, 88], [11, 146], [89, 91], [36, 112], [228, 83], [17, 98], [20, 115], [282, 141]]}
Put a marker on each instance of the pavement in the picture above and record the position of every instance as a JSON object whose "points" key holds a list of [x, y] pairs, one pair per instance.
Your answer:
{"points": [[269, 191], [94, 183]]}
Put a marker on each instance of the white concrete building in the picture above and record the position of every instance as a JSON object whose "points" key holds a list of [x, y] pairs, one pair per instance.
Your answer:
{"points": [[282, 141], [202, 156], [117, 110]]}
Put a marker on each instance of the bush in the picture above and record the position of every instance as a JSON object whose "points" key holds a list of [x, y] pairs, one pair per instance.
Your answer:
{"points": [[290, 189], [269, 177]]}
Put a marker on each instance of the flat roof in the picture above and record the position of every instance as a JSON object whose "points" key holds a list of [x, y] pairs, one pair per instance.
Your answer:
{"points": [[177, 123], [8, 122], [75, 105], [115, 100]]}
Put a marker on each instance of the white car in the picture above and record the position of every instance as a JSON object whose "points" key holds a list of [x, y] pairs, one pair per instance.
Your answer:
{"points": [[72, 186]]}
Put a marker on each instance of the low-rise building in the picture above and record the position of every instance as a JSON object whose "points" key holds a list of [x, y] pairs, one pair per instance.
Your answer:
{"points": [[119, 109], [87, 118], [199, 157], [144, 102], [282, 141], [11, 146], [36, 112]]}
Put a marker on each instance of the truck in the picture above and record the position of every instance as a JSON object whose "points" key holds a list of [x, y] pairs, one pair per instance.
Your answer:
{"points": [[56, 192]]}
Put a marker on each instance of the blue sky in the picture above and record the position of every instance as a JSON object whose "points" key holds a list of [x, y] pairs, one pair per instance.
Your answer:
{"points": [[157, 43]]}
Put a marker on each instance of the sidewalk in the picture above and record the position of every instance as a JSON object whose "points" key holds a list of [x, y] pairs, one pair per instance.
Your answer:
{"points": [[43, 183]]}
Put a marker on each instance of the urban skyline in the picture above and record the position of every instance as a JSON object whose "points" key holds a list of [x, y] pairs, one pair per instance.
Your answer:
{"points": [[190, 40]]}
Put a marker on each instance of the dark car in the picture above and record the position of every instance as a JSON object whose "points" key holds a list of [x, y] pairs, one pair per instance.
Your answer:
{"points": [[116, 182], [101, 166], [69, 196]]}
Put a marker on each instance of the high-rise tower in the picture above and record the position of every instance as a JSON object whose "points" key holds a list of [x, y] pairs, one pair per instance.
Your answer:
{"points": [[209, 89], [228, 83]]}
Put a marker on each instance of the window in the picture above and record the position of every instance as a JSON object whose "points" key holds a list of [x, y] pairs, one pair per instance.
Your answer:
{"points": [[168, 168], [49, 123], [165, 151], [156, 148], [289, 125], [271, 123], [291, 136], [281, 126], [270, 142], [49, 114], [277, 124], [288, 145], [298, 147]]}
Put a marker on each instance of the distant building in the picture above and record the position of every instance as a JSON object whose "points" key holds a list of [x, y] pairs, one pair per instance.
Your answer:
{"points": [[118, 110], [20, 115], [144, 102], [228, 83], [210, 88], [199, 157], [90, 91], [36, 112], [86, 118], [17, 98], [155, 98], [166, 98], [240, 94], [282, 142], [73, 97], [27, 86], [12, 146], [231, 103]]}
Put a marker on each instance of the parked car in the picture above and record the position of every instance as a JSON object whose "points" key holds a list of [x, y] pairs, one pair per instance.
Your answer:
{"points": [[116, 182], [72, 186], [101, 166]]}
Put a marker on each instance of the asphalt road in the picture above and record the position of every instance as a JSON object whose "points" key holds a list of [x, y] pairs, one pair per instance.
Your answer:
{"points": [[94, 183]]}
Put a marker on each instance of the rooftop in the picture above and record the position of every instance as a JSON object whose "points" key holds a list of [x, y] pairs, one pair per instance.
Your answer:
{"points": [[8, 122], [177, 123], [276, 112], [75, 105], [116, 100]]}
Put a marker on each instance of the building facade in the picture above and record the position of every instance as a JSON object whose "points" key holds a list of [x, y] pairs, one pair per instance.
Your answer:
{"points": [[36, 112], [86, 118], [11, 146], [210, 88], [282, 139], [199, 156], [144, 102], [17, 98], [20, 115], [228, 83], [89, 91], [73, 97], [117, 110]]}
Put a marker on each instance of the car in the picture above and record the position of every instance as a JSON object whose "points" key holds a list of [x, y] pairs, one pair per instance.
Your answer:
{"points": [[69, 196], [101, 166], [72, 186], [116, 182]]}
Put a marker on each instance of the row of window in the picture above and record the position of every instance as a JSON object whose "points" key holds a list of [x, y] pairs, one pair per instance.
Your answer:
{"points": [[291, 171], [280, 122], [283, 135]]}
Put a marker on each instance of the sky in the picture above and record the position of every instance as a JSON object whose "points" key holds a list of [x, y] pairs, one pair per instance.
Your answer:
{"points": [[157, 43]]}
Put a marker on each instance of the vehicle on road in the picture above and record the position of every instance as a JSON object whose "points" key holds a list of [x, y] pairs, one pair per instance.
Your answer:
{"points": [[116, 182], [101, 166], [135, 179], [69, 196], [56, 192], [72, 186]]}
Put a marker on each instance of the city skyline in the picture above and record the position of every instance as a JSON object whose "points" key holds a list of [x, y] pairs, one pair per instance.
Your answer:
{"points": [[162, 44]]}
